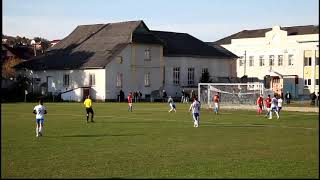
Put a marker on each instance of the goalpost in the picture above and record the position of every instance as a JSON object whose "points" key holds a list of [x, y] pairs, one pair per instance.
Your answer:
{"points": [[232, 95]]}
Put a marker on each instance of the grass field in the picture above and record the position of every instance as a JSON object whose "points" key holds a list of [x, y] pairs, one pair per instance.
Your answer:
{"points": [[151, 143]]}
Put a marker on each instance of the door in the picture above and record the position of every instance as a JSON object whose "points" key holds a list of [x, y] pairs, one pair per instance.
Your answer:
{"points": [[85, 92]]}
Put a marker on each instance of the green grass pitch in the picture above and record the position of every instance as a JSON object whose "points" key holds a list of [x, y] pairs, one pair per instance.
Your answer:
{"points": [[152, 143]]}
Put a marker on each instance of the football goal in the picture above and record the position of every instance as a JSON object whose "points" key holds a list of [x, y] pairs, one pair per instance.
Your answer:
{"points": [[234, 95]]}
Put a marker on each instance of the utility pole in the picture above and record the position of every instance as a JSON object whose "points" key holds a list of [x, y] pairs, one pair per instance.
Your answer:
{"points": [[245, 62]]}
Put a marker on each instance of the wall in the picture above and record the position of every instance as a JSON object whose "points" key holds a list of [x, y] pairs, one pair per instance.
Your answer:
{"points": [[77, 78], [133, 69], [216, 67], [276, 42]]}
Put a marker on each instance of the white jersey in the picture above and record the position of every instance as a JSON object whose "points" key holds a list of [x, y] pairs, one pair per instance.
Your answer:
{"points": [[195, 107], [274, 102], [170, 100], [40, 109], [279, 102]]}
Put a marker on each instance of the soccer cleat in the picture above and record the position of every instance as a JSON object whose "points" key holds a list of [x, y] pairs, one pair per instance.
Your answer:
{"points": [[40, 134]]}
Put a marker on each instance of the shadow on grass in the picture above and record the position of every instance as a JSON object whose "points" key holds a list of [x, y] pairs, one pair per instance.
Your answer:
{"points": [[91, 135], [133, 122]]}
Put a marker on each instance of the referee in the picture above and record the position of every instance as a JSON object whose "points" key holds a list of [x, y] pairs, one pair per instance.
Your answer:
{"points": [[88, 104]]}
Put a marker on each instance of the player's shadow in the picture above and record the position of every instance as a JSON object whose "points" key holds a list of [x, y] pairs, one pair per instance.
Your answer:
{"points": [[93, 135]]}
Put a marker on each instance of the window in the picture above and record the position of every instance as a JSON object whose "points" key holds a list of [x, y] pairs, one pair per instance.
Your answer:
{"points": [[317, 82], [307, 61], [290, 59], [261, 60], [176, 76], [307, 82], [251, 60], [119, 80], [119, 59], [317, 61], [190, 76], [271, 60], [147, 79], [280, 60], [66, 80], [241, 61], [92, 79], [204, 70], [147, 54]]}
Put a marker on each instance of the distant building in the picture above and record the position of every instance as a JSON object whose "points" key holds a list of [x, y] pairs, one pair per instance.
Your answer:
{"points": [[286, 58], [102, 59]]}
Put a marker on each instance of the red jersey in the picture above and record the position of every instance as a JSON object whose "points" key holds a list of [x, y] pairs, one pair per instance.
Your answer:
{"points": [[129, 99], [216, 98], [260, 101], [268, 102]]}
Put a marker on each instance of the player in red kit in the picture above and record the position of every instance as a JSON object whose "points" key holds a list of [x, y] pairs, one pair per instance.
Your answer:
{"points": [[259, 104], [130, 102], [268, 105]]}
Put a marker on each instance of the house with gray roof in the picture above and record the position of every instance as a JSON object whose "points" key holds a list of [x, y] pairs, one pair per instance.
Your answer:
{"points": [[102, 59]]}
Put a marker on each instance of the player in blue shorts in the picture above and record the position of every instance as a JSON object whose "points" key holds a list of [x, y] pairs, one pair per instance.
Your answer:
{"points": [[172, 104], [39, 111], [195, 108]]}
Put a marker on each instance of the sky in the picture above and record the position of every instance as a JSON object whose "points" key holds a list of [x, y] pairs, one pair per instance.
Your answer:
{"points": [[207, 20]]}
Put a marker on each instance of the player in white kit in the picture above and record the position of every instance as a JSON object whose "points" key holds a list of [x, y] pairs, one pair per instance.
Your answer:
{"points": [[274, 107], [195, 108], [172, 104], [39, 111]]}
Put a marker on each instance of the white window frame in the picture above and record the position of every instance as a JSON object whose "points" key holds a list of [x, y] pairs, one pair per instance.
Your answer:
{"points": [[119, 79], [261, 60], [241, 61], [66, 80], [307, 61], [92, 79], [307, 82], [203, 70], [271, 60], [290, 59], [147, 54], [280, 60], [176, 75], [147, 79], [251, 60], [191, 76]]}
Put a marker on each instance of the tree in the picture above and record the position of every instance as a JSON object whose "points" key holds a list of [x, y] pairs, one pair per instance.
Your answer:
{"points": [[205, 77], [7, 67]]}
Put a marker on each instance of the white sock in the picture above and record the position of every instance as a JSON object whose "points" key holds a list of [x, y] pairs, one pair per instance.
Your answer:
{"points": [[37, 131], [277, 115]]}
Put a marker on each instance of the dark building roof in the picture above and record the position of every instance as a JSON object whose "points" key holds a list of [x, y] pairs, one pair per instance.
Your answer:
{"points": [[22, 52], [222, 49], [91, 46], [183, 44], [294, 30]]}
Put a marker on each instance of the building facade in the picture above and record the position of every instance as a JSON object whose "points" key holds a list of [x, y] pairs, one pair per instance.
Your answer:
{"points": [[103, 59], [286, 57]]}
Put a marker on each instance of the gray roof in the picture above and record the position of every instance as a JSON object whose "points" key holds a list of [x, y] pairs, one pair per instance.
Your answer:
{"points": [[89, 46], [293, 30], [183, 44]]}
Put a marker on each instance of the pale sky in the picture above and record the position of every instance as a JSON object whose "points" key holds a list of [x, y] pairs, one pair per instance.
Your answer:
{"points": [[207, 20]]}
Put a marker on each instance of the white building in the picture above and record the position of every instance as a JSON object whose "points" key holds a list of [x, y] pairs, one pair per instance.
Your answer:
{"points": [[288, 57], [103, 59]]}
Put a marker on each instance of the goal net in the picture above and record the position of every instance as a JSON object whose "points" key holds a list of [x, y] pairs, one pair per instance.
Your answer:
{"points": [[233, 95]]}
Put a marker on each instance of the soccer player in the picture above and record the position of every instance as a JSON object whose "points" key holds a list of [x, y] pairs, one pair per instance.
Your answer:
{"points": [[260, 104], [216, 100], [268, 105], [130, 102], [171, 104], [88, 105], [39, 111], [274, 107], [195, 108], [279, 104]]}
